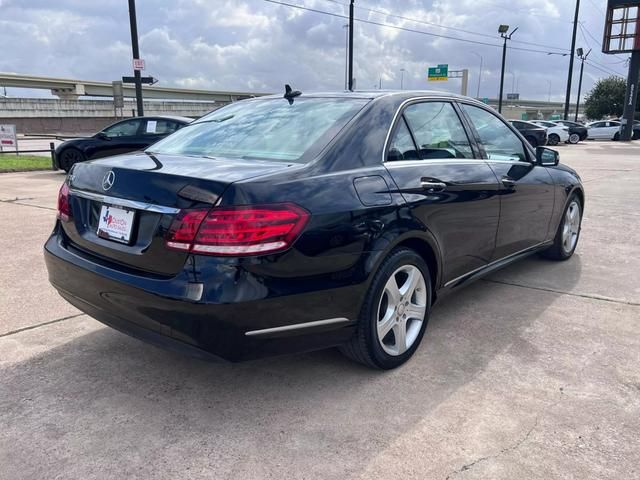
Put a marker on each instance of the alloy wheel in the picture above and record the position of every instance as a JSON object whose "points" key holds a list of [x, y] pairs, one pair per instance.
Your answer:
{"points": [[571, 227], [574, 138], [401, 310]]}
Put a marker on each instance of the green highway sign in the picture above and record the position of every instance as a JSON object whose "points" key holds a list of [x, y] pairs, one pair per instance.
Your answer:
{"points": [[438, 74]]}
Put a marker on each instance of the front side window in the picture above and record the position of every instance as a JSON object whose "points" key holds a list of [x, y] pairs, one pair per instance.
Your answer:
{"points": [[127, 128], [438, 131], [269, 129], [499, 141]]}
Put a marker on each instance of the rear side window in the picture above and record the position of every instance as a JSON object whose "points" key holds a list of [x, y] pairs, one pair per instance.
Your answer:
{"points": [[438, 131], [160, 127], [269, 129], [498, 140], [402, 146]]}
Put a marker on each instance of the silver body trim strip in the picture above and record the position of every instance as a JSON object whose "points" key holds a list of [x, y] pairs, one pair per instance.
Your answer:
{"points": [[488, 265], [122, 202], [297, 326]]}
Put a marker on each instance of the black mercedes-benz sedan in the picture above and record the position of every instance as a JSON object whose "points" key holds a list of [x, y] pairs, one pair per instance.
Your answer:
{"points": [[278, 225], [121, 137]]}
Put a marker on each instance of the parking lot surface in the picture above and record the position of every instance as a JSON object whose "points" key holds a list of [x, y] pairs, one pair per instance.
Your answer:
{"points": [[533, 372]]}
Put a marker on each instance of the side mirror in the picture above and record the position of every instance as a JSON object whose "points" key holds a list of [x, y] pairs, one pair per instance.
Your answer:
{"points": [[547, 157], [102, 136]]}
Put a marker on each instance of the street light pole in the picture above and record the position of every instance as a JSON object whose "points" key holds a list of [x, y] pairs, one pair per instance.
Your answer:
{"points": [[136, 55], [351, 45], [573, 48], [479, 73], [583, 57], [502, 30], [402, 70]]}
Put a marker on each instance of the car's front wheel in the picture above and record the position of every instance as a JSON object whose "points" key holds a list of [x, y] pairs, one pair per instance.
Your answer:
{"points": [[574, 138], [394, 313], [69, 157], [554, 139], [568, 233]]}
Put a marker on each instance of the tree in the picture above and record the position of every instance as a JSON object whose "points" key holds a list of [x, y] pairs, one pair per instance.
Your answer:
{"points": [[606, 98]]}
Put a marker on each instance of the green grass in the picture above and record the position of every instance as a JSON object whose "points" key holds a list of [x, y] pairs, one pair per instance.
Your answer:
{"points": [[10, 162]]}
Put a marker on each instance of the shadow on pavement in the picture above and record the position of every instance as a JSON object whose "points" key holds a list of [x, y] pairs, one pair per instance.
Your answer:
{"points": [[104, 405]]}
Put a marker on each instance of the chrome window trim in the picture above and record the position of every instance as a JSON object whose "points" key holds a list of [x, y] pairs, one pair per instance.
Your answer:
{"points": [[122, 202], [296, 326]]}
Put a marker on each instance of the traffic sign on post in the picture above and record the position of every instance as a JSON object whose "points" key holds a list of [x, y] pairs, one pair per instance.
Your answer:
{"points": [[438, 74], [138, 64]]}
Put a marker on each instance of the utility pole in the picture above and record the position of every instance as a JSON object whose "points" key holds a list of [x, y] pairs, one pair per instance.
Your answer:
{"points": [[631, 95], [583, 57], [136, 55], [502, 30], [573, 48], [479, 73], [346, 57], [351, 6], [402, 70]]}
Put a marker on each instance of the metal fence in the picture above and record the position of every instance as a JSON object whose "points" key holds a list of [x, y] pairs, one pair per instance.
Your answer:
{"points": [[51, 150]]}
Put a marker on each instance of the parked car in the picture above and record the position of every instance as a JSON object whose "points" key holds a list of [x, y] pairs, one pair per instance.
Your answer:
{"points": [[121, 137], [535, 134], [283, 225], [604, 130], [577, 131], [555, 133]]}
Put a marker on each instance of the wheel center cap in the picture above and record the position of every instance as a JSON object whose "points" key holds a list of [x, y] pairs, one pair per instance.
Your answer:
{"points": [[400, 309]]}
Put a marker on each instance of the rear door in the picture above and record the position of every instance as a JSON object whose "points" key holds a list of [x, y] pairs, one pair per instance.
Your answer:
{"points": [[448, 187], [155, 129], [526, 189]]}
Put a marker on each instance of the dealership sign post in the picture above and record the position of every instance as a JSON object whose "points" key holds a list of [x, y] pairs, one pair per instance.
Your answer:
{"points": [[622, 35], [8, 137]]}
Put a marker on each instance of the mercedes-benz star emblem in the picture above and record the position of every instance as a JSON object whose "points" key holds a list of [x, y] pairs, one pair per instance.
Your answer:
{"points": [[107, 181]]}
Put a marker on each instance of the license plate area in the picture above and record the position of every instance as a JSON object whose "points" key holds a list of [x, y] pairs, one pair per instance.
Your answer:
{"points": [[115, 223]]}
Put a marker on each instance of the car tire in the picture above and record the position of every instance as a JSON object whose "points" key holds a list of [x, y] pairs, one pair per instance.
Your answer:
{"points": [[568, 233], [574, 138], [532, 141], [616, 137], [384, 312], [554, 139], [69, 157], [635, 135]]}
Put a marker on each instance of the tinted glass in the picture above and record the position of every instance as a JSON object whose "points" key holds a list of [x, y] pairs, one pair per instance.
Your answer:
{"points": [[123, 129], [263, 129], [498, 139], [402, 146], [438, 131], [598, 125]]}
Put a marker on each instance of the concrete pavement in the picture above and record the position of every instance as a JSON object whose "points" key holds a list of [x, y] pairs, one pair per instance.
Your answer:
{"points": [[531, 373]]}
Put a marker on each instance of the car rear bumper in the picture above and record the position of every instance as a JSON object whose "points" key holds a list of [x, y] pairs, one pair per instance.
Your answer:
{"points": [[161, 312]]}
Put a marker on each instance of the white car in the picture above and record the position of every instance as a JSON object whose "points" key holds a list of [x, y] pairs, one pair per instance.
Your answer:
{"points": [[604, 130], [555, 133]]}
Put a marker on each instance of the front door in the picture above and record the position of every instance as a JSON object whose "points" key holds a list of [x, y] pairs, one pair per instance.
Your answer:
{"points": [[526, 189], [121, 137], [449, 188]]}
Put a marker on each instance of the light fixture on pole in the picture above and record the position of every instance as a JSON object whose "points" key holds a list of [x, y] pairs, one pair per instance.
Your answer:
{"points": [[502, 30], [582, 57]]}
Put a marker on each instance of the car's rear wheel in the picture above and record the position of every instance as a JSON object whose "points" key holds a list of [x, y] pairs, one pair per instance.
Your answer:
{"points": [[394, 313], [574, 138], [554, 139], [532, 140], [69, 157], [566, 239]]}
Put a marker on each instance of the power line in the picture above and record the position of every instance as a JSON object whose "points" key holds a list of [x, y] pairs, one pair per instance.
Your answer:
{"points": [[582, 31], [438, 25], [405, 29], [608, 72]]}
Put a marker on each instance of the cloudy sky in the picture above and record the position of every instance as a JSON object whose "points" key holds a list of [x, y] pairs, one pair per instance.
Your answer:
{"points": [[257, 45]]}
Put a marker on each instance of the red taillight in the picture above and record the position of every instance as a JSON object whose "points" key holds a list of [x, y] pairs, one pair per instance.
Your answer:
{"points": [[64, 209], [246, 230]]}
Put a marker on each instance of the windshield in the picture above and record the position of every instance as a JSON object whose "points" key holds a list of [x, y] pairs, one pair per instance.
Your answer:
{"points": [[269, 129]]}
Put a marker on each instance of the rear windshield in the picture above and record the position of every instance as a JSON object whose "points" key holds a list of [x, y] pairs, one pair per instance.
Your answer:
{"points": [[269, 129]]}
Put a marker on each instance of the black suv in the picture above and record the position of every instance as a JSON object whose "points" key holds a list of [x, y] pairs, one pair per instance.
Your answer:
{"points": [[535, 135]]}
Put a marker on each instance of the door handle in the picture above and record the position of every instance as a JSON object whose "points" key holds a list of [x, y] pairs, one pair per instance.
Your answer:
{"points": [[508, 182], [432, 186]]}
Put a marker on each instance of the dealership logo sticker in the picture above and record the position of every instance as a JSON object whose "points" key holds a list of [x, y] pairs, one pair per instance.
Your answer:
{"points": [[108, 180]]}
